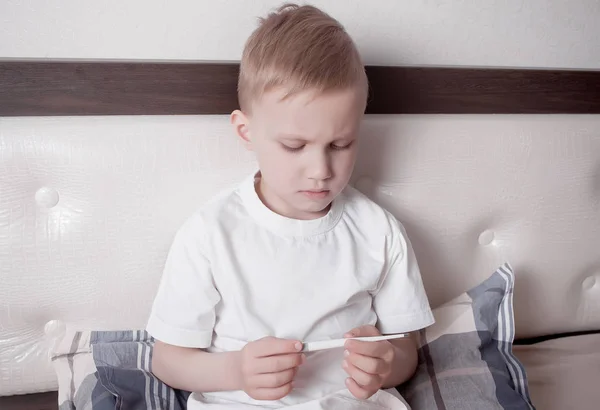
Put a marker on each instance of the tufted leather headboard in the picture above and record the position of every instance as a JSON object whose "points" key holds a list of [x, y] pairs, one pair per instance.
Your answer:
{"points": [[89, 206]]}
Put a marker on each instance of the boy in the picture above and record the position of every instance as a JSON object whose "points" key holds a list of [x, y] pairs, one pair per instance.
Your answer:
{"points": [[292, 254]]}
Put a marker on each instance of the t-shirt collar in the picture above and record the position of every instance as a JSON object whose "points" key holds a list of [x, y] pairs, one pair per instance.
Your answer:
{"points": [[283, 225]]}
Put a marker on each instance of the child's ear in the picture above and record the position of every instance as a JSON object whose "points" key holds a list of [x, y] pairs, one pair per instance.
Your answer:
{"points": [[241, 126]]}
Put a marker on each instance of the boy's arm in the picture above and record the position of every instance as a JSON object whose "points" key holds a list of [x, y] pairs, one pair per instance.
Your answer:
{"points": [[401, 306], [264, 369], [404, 363], [183, 318], [400, 301], [196, 370]]}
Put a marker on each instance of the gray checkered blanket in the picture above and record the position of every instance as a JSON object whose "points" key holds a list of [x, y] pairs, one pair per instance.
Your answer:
{"points": [[111, 370]]}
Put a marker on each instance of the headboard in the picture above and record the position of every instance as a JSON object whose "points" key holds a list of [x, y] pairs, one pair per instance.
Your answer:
{"points": [[101, 162]]}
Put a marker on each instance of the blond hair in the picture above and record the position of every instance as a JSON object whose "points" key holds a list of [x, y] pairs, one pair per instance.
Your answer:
{"points": [[298, 48]]}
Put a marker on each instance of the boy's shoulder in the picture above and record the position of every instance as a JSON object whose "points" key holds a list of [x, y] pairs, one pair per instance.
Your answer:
{"points": [[368, 214]]}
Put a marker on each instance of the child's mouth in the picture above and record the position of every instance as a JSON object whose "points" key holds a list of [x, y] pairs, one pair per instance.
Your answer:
{"points": [[319, 194]]}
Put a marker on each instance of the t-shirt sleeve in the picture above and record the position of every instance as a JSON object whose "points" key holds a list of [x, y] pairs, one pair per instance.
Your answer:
{"points": [[183, 312], [400, 301]]}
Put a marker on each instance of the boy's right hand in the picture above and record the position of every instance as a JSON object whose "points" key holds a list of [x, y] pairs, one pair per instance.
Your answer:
{"points": [[268, 367]]}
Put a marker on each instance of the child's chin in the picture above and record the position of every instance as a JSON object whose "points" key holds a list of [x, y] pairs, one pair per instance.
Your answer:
{"points": [[317, 206]]}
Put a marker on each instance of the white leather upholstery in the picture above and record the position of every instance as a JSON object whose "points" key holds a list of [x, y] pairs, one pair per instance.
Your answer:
{"points": [[88, 208], [563, 373]]}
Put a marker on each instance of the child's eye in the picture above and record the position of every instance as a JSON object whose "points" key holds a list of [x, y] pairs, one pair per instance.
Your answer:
{"points": [[341, 147], [292, 149]]}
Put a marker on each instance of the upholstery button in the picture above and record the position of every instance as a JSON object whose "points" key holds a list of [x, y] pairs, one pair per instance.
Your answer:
{"points": [[588, 283], [46, 197], [54, 328], [486, 237]]}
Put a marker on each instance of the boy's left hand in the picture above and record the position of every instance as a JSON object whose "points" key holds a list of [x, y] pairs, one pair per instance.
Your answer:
{"points": [[367, 363]]}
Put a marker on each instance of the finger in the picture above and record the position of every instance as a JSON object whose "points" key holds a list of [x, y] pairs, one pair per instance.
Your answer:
{"points": [[370, 365], [272, 346], [274, 380], [362, 331], [363, 379], [381, 349], [274, 364], [272, 394], [357, 391]]}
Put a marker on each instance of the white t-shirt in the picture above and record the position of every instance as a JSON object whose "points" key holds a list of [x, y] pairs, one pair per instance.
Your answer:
{"points": [[238, 272]]}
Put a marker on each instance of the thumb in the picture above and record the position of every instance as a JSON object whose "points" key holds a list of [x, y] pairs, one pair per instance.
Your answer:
{"points": [[362, 331]]}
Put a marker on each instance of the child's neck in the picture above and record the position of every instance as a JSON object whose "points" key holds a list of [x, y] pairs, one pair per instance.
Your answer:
{"points": [[280, 207]]}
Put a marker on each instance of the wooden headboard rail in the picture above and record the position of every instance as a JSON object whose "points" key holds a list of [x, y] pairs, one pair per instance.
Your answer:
{"points": [[72, 87]]}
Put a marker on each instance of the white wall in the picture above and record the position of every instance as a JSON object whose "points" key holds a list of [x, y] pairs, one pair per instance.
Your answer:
{"points": [[524, 33]]}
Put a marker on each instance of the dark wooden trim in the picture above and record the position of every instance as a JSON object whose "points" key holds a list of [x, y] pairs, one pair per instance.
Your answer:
{"points": [[116, 88], [37, 401], [417, 90], [53, 88]]}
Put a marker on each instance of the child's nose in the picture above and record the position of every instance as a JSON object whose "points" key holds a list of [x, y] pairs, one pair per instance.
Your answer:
{"points": [[320, 168]]}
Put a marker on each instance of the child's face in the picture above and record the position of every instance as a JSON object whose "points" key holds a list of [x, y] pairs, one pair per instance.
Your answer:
{"points": [[305, 146]]}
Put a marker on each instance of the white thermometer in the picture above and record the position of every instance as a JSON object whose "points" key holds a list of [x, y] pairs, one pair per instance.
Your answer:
{"points": [[332, 344]]}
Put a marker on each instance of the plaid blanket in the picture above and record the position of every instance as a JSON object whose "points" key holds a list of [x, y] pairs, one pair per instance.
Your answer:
{"points": [[465, 361], [111, 370]]}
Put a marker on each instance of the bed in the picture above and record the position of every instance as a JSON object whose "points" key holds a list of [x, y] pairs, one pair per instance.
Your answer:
{"points": [[101, 162]]}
